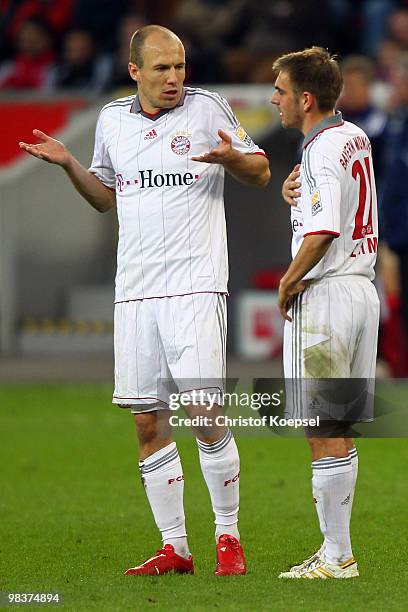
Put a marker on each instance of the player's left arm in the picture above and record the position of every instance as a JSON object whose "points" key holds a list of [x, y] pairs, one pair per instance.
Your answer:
{"points": [[247, 168], [314, 247]]}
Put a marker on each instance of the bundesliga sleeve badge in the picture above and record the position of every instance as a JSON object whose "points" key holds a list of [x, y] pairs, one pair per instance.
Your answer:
{"points": [[243, 136], [316, 203]]}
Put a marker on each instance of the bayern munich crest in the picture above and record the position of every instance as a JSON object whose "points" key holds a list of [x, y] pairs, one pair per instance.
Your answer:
{"points": [[180, 145]]}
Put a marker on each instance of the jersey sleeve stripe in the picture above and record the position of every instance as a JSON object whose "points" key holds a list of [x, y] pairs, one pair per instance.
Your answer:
{"points": [[336, 234], [218, 99], [308, 172], [120, 102]]}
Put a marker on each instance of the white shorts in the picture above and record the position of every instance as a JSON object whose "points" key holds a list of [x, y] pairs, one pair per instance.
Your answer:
{"points": [[333, 335], [169, 345]]}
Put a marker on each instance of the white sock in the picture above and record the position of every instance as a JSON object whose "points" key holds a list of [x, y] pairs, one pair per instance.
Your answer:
{"points": [[354, 464], [220, 466], [332, 488], [163, 479]]}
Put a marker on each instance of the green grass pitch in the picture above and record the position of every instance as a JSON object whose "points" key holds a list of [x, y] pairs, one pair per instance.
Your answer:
{"points": [[73, 515]]}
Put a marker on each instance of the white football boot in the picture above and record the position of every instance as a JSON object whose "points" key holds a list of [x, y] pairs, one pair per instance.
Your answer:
{"points": [[317, 555], [319, 568]]}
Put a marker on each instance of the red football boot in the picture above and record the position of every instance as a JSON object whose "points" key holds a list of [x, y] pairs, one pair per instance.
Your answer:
{"points": [[230, 557], [163, 562]]}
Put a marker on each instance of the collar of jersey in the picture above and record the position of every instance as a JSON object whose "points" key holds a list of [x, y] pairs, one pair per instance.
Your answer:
{"points": [[330, 122], [136, 108]]}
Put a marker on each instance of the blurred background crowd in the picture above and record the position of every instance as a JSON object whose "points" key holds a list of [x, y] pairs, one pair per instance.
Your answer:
{"points": [[84, 43], [71, 45]]}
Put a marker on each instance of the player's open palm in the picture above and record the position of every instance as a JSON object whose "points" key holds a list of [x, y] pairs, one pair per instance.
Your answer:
{"points": [[222, 154], [48, 149], [290, 186]]}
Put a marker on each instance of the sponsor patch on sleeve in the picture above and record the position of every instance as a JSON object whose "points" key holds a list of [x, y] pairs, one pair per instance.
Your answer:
{"points": [[316, 203], [243, 136]]}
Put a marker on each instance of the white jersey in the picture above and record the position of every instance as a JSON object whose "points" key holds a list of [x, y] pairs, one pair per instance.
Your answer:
{"points": [[172, 234], [338, 197]]}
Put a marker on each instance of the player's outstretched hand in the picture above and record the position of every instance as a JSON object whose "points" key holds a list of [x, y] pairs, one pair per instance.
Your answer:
{"points": [[222, 154], [48, 149], [290, 185]]}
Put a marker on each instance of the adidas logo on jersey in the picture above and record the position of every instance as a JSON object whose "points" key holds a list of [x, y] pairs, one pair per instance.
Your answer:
{"points": [[150, 135], [346, 501]]}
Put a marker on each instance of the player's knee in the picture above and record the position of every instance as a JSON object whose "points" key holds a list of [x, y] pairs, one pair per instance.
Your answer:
{"points": [[328, 447], [152, 427], [209, 434]]}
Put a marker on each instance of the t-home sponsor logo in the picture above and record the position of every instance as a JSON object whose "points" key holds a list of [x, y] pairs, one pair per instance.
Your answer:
{"points": [[148, 179]]}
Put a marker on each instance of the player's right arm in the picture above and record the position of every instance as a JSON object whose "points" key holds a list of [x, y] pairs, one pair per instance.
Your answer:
{"points": [[99, 196]]}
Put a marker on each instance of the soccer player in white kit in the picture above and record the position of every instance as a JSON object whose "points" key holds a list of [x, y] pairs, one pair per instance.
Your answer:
{"points": [[327, 296], [160, 158]]}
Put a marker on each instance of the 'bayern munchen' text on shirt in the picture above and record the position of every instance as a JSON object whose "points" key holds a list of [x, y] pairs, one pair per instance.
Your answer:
{"points": [[172, 235], [338, 197]]}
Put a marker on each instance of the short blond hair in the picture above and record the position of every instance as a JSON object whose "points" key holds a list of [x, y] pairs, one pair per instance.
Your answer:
{"points": [[313, 70]]}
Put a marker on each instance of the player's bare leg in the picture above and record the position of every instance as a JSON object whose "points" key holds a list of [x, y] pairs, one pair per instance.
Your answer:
{"points": [[328, 447], [219, 460], [163, 479], [349, 443], [153, 431]]}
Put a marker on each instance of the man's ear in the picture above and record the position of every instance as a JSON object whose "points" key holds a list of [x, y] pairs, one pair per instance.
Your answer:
{"points": [[133, 71], [308, 101]]}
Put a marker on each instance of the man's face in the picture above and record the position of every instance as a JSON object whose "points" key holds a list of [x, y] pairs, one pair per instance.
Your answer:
{"points": [[399, 80], [32, 39], [288, 102], [356, 91], [160, 79]]}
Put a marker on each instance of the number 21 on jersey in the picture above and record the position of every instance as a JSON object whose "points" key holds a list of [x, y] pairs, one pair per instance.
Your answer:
{"points": [[363, 224]]}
